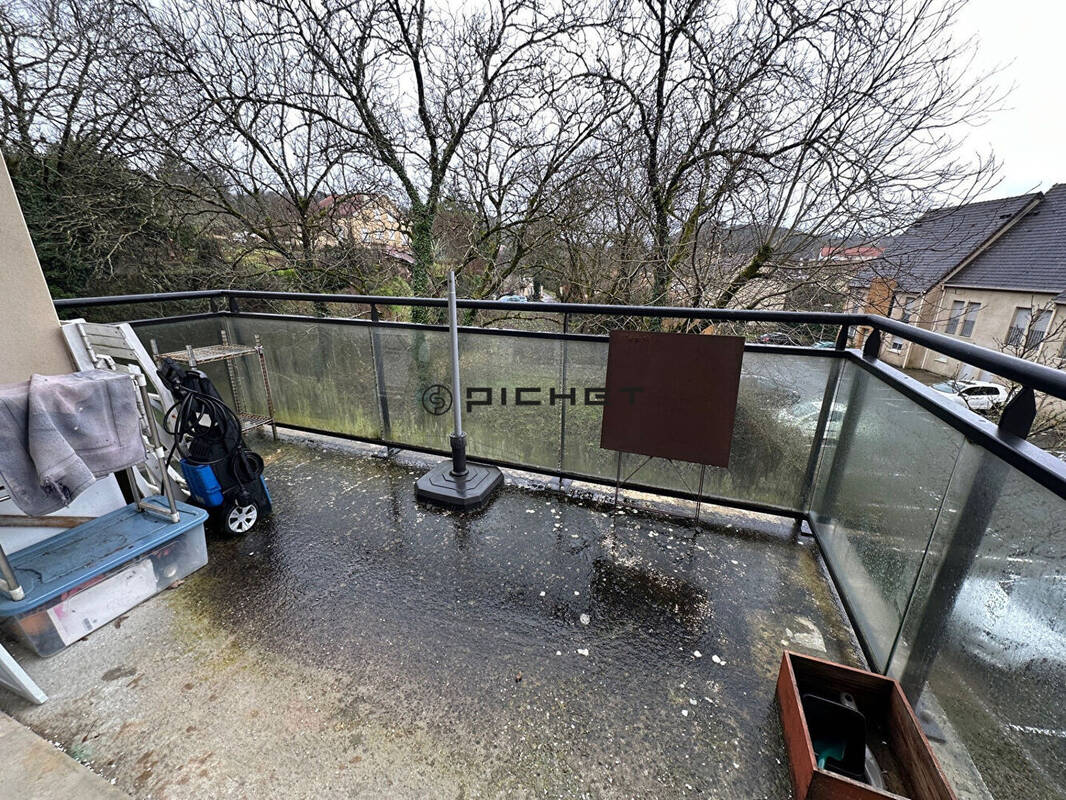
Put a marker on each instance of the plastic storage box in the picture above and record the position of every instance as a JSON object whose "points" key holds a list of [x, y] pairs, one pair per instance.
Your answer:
{"points": [[85, 577]]}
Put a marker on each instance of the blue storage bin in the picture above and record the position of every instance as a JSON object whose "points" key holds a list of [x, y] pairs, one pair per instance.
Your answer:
{"points": [[84, 577]]}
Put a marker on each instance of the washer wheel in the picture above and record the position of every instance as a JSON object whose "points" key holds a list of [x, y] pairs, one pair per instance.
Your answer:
{"points": [[239, 519]]}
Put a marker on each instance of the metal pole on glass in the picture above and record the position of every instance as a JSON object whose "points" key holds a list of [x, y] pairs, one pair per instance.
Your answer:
{"points": [[457, 483], [458, 440]]}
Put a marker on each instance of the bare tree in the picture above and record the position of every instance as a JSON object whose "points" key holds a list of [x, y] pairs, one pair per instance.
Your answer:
{"points": [[819, 118], [602, 233], [236, 137], [412, 83], [691, 151], [516, 172], [69, 75], [75, 85], [1038, 334]]}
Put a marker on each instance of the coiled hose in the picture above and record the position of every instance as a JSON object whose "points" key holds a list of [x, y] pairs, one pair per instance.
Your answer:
{"points": [[193, 406]]}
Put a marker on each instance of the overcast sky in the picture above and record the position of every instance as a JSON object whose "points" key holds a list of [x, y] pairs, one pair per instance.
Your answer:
{"points": [[1029, 135]]}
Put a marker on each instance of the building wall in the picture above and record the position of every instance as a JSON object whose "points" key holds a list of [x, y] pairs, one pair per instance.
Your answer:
{"points": [[900, 352], [932, 317], [877, 300], [32, 338], [376, 223], [990, 329]]}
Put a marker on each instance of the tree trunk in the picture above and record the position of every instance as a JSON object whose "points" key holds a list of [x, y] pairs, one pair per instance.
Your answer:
{"points": [[745, 276], [661, 256], [422, 249]]}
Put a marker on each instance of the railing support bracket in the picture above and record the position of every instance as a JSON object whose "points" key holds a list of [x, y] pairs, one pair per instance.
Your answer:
{"points": [[1018, 416]]}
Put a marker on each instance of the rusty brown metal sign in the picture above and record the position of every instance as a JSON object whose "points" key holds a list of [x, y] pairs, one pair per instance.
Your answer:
{"points": [[672, 395]]}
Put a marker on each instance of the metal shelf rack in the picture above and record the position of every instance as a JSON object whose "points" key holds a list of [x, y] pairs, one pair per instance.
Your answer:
{"points": [[228, 352]]}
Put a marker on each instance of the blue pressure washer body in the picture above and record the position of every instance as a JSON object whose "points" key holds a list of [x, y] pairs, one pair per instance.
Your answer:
{"points": [[208, 493], [223, 475]]}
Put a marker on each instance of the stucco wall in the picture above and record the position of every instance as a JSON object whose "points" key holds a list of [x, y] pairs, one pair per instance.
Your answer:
{"points": [[990, 329], [31, 339], [927, 315], [877, 300]]}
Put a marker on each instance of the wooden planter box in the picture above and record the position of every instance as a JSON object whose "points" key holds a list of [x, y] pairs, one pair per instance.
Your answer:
{"points": [[908, 765]]}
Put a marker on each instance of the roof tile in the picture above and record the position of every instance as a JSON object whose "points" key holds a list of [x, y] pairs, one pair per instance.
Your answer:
{"points": [[939, 241], [1031, 256]]}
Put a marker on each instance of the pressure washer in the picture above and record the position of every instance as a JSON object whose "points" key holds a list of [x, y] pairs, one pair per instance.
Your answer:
{"points": [[224, 476]]}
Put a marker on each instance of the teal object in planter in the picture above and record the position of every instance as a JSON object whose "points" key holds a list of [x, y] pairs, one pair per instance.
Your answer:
{"points": [[824, 749]]}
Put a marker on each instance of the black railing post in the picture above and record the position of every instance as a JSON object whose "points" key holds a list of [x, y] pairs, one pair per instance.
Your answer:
{"points": [[562, 401], [971, 521], [379, 374], [842, 338], [1018, 417], [871, 348], [234, 305], [832, 381]]}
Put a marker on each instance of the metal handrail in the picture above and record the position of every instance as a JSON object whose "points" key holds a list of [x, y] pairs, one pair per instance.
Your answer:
{"points": [[667, 312], [1028, 373], [132, 299], [1036, 376]]}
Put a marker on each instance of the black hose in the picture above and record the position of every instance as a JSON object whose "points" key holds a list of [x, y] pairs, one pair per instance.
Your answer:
{"points": [[189, 410]]}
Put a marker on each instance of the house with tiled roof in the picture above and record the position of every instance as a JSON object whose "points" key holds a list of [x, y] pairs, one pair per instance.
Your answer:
{"points": [[367, 220], [993, 273]]}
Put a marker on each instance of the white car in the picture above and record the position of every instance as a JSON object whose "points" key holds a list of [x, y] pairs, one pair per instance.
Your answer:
{"points": [[975, 395]]}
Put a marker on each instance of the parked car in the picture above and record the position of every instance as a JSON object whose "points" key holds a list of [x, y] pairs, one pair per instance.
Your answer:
{"points": [[778, 337], [825, 344], [975, 395], [514, 298]]}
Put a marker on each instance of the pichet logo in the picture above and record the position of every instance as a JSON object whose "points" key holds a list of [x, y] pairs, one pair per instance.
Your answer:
{"points": [[437, 399]]}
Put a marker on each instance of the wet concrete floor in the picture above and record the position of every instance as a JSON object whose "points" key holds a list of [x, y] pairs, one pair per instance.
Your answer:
{"points": [[361, 645]]}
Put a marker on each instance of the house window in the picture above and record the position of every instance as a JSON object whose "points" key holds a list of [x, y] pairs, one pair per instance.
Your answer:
{"points": [[896, 345], [1038, 329], [956, 314], [910, 309], [1027, 331], [1018, 326], [969, 319]]}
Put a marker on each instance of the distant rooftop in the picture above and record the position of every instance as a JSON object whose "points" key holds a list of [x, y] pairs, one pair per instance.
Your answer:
{"points": [[1030, 256], [941, 240]]}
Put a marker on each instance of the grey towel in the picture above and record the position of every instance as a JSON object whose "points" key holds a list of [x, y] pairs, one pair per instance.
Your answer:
{"points": [[58, 433]]}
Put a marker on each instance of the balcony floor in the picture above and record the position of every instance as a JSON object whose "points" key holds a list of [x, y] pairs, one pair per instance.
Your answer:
{"points": [[359, 645]]}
